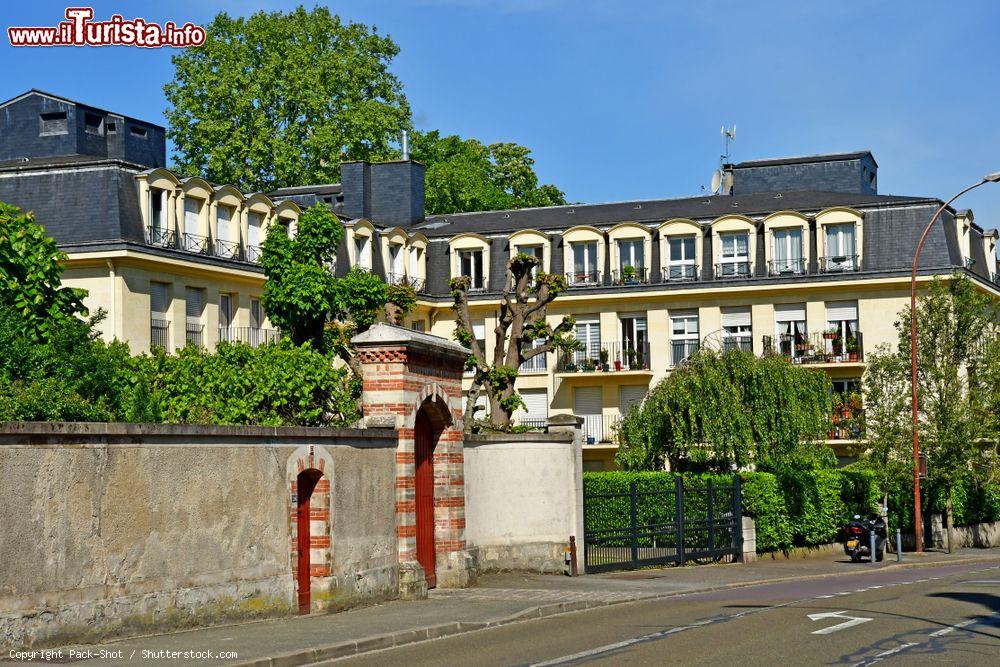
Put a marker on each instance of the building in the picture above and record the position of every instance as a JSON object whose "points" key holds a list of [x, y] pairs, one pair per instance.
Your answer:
{"points": [[169, 259], [798, 256]]}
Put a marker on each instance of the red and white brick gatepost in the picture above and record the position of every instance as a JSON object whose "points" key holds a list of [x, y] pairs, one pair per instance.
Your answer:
{"points": [[406, 372]]}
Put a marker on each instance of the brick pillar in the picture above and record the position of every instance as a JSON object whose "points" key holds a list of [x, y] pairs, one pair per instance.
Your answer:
{"points": [[405, 371]]}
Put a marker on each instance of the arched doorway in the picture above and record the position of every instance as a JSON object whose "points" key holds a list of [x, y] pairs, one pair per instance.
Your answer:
{"points": [[305, 484], [424, 438]]}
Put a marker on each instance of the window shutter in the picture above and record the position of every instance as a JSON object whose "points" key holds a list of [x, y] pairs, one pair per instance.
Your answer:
{"points": [[193, 305], [536, 404], [587, 401], [841, 310], [256, 314], [253, 233], [632, 395], [790, 312], [736, 317], [222, 224], [190, 216], [158, 300]]}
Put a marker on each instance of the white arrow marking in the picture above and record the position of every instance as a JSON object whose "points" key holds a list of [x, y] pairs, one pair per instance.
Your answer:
{"points": [[849, 623]]}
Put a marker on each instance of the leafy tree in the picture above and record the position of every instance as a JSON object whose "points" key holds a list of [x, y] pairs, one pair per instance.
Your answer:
{"points": [[400, 299], [718, 412], [521, 321], [278, 99], [463, 175], [31, 274]]}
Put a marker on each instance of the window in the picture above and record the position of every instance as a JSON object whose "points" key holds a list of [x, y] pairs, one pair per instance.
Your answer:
{"points": [[138, 132], [631, 261], [681, 264], [470, 263], [53, 123], [159, 233], [630, 396], [535, 412], [840, 251], [416, 257], [535, 251], [396, 271], [417, 325], [255, 223], [363, 252], [587, 403], [159, 306], [226, 246], [256, 314], [734, 255], [845, 387], [193, 241], [225, 317], [537, 363], [588, 332], [585, 269], [194, 300], [111, 127], [786, 253], [479, 333], [842, 338], [634, 352], [736, 330], [93, 123], [790, 330], [684, 339]]}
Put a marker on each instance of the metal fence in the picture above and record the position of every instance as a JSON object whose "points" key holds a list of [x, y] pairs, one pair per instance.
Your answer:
{"points": [[159, 333], [655, 525]]}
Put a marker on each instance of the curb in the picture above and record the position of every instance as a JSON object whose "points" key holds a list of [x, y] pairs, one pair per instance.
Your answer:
{"points": [[416, 635]]}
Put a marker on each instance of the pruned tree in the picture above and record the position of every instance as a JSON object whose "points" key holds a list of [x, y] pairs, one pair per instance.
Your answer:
{"points": [[521, 322]]}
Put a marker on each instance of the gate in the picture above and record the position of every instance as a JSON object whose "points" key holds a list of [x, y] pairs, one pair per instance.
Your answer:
{"points": [[654, 526]]}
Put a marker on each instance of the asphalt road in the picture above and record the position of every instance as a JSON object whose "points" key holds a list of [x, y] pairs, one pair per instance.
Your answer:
{"points": [[935, 615]]}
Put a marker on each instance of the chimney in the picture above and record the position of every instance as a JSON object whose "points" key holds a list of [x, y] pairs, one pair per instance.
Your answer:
{"points": [[387, 193]]}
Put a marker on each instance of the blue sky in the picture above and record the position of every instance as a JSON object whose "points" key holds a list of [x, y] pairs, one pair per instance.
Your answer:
{"points": [[625, 100]]}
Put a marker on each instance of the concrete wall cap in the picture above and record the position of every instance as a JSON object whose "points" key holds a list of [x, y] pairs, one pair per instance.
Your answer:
{"points": [[472, 439], [565, 420]]}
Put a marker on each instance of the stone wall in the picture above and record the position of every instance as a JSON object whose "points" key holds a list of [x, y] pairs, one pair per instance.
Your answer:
{"points": [[117, 529], [523, 500]]}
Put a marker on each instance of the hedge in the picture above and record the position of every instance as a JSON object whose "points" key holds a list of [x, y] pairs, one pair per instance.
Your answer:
{"points": [[800, 508]]}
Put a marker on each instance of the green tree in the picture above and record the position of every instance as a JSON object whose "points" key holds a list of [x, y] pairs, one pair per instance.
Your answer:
{"points": [[720, 411], [280, 99], [520, 322], [463, 175], [31, 274]]}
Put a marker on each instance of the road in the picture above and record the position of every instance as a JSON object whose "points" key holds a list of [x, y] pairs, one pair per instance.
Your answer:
{"points": [[934, 615]]}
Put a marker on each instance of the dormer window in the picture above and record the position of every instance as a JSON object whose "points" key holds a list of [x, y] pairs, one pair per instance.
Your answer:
{"points": [[225, 234], [631, 262], [585, 267], [53, 123], [139, 132], [734, 255], [840, 249], [681, 260], [397, 273], [470, 263], [363, 252], [93, 123], [536, 251], [786, 252]]}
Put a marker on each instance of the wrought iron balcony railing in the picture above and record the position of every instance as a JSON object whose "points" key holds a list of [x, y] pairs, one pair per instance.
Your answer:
{"points": [[679, 273], [159, 333], [227, 249], [600, 428], [638, 275], [817, 348], [786, 267], [605, 358], [252, 336], [159, 236], [402, 279], [839, 264], [584, 278], [744, 343], [536, 364], [194, 333], [254, 253], [728, 270], [198, 244]]}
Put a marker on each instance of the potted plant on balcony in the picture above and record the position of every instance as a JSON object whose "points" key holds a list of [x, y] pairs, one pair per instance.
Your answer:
{"points": [[569, 364], [852, 349], [629, 275], [630, 356], [831, 333], [604, 361]]}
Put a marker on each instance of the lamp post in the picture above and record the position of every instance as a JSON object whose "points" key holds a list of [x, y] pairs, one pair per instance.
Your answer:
{"points": [[914, 406]]}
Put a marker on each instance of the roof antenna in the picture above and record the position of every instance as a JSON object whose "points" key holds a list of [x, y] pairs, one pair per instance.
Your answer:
{"points": [[728, 136], [406, 145]]}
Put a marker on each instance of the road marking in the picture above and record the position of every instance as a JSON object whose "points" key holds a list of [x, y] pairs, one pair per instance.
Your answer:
{"points": [[952, 628], [849, 623], [982, 581]]}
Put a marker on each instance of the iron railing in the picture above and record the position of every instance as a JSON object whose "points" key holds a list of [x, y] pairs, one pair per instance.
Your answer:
{"points": [[606, 357], [639, 275], [402, 279], [252, 336], [584, 278], [744, 343], [839, 264], [846, 422], [158, 236], [679, 273], [227, 249], [159, 333], [254, 253], [817, 348], [786, 267], [536, 364], [194, 333], [732, 270], [681, 350], [197, 244], [599, 428], [665, 521], [532, 422]]}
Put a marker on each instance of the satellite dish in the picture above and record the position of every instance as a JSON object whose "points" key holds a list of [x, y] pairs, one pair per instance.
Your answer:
{"points": [[716, 181]]}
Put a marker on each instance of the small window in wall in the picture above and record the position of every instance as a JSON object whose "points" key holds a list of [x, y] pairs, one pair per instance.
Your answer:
{"points": [[535, 412], [256, 314], [470, 263], [93, 123], [684, 337], [111, 127], [139, 132], [159, 306], [225, 313], [417, 325], [790, 330], [363, 252], [736, 330], [193, 307], [53, 123]]}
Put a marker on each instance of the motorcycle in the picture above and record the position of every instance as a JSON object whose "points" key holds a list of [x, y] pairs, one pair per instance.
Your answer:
{"points": [[857, 538]]}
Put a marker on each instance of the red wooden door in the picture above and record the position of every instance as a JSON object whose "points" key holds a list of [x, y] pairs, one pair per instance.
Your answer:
{"points": [[306, 482], [425, 497]]}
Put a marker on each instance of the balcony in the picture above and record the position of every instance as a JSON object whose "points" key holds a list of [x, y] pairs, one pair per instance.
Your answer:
{"points": [[786, 267], [679, 273], [252, 336], [599, 428], [201, 245], [846, 419], [227, 249], [681, 350], [159, 334], [402, 279], [194, 333], [163, 238], [254, 253], [817, 348], [606, 358], [630, 276], [584, 279], [732, 270], [839, 264]]}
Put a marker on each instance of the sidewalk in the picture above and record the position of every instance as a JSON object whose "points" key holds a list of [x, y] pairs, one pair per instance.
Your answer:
{"points": [[497, 599]]}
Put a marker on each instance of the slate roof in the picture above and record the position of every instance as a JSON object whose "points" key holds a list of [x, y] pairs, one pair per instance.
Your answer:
{"points": [[805, 159], [67, 100], [649, 211]]}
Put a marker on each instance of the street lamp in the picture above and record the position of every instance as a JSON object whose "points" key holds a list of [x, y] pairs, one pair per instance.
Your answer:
{"points": [[917, 519]]}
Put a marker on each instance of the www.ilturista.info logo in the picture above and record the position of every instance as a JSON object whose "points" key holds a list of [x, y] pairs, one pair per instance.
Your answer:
{"points": [[80, 30]]}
